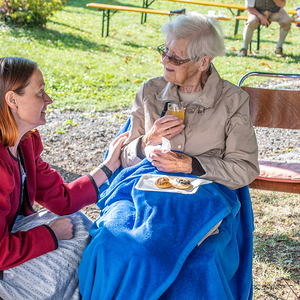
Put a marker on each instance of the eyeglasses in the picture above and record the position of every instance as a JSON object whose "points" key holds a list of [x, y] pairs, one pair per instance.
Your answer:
{"points": [[173, 60]]}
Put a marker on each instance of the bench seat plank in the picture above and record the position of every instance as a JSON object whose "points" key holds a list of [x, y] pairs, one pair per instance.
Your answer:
{"points": [[128, 8], [216, 4]]}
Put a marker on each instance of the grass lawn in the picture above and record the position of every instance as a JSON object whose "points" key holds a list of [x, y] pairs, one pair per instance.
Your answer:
{"points": [[86, 72]]}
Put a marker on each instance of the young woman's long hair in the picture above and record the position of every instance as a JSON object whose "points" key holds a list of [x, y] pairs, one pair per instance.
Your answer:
{"points": [[15, 73]]}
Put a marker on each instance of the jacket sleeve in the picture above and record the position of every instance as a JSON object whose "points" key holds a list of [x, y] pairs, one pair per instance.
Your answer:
{"points": [[129, 155], [55, 195], [19, 247], [239, 165]]}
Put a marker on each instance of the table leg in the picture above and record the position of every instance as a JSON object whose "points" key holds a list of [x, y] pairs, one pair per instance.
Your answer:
{"points": [[258, 36], [237, 23], [103, 22], [142, 19]]}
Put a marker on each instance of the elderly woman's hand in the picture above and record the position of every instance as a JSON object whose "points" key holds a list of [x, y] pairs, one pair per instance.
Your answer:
{"points": [[172, 162], [162, 127]]}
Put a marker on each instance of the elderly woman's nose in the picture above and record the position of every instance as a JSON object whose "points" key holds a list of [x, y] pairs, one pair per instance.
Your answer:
{"points": [[164, 59]]}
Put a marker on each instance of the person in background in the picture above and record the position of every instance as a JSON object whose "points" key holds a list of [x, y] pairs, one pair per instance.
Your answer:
{"points": [[40, 251], [217, 140], [263, 12]]}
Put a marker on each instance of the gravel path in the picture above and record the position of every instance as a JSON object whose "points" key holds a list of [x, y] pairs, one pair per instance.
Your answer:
{"points": [[75, 142]]}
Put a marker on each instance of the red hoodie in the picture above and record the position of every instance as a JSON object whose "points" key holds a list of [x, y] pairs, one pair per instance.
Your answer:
{"points": [[43, 185]]}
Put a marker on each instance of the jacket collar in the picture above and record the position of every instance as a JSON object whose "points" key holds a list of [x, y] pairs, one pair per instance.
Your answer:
{"points": [[208, 97]]}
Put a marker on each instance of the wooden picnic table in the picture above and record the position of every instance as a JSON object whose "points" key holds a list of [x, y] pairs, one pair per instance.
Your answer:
{"points": [[239, 8], [106, 8], [230, 7]]}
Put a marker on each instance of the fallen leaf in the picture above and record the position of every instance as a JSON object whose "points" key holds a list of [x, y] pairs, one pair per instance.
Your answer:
{"points": [[265, 64]]}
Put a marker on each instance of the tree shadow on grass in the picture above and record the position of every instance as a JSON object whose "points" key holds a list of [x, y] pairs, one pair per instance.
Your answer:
{"points": [[280, 250], [261, 54], [258, 56], [55, 39]]}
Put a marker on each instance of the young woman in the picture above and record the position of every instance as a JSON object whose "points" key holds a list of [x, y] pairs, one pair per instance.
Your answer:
{"points": [[40, 251]]}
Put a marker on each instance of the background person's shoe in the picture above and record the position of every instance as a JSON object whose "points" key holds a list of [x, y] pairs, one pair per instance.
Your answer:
{"points": [[278, 52], [243, 52]]}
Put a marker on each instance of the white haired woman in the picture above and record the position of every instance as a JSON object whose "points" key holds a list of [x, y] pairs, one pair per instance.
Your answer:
{"points": [[216, 140], [151, 243]]}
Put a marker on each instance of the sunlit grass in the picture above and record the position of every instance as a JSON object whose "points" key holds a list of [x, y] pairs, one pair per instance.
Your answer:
{"points": [[87, 72]]}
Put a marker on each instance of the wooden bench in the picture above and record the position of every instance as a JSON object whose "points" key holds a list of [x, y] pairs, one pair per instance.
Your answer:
{"points": [[147, 3], [106, 8], [245, 18], [239, 8], [273, 108], [230, 7]]}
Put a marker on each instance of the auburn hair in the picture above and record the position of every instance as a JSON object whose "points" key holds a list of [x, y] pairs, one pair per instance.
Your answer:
{"points": [[15, 73]]}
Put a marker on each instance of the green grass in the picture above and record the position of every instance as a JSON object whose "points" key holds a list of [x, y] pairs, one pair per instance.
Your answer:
{"points": [[87, 72], [276, 244]]}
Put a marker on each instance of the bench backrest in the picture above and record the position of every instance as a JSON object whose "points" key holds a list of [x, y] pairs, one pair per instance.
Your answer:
{"points": [[273, 108]]}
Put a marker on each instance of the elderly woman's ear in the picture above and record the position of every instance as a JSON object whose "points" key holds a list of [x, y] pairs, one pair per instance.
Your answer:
{"points": [[204, 63]]}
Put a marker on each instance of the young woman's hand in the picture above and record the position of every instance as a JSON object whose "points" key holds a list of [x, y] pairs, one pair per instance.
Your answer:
{"points": [[63, 228], [112, 161], [113, 158]]}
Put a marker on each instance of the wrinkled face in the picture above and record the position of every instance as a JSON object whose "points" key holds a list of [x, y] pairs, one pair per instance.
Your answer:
{"points": [[32, 105], [184, 75]]}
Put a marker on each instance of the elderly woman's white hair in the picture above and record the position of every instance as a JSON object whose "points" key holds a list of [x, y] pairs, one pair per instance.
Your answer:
{"points": [[205, 34]]}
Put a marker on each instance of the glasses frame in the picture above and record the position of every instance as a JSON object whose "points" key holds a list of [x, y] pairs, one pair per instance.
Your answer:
{"points": [[174, 61]]}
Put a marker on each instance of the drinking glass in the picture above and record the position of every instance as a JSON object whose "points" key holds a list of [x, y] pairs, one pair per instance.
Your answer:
{"points": [[176, 109]]}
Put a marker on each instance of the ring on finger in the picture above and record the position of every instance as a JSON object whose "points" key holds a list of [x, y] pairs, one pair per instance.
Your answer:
{"points": [[167, 132]]}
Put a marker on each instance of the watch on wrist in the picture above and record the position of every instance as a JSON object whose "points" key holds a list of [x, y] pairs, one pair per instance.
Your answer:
{"points": [[105, 169]]}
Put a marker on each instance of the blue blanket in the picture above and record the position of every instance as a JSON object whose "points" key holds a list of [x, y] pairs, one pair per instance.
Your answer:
{"points": [[144, 243]]}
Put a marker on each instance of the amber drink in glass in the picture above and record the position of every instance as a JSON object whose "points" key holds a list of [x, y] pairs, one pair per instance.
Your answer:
{"points": [[176, 109]]}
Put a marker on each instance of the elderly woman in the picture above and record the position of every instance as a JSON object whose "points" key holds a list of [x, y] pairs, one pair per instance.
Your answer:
{"points": [[40, 251], [166, 243], [216, 140]]}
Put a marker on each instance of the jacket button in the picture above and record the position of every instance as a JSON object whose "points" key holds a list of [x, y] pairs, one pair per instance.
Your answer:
{"points": [[179, 146]]}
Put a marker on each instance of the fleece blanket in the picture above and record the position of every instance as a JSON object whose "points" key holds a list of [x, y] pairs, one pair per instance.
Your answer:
{"points": [[145, 243]]}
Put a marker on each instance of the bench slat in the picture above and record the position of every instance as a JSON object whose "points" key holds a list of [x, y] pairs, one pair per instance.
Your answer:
{"points": [[128, 8], [206, 3], [245, 18]]}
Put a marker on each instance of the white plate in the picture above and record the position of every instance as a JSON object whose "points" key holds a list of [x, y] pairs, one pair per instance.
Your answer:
{"points": [[147, 183]]}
